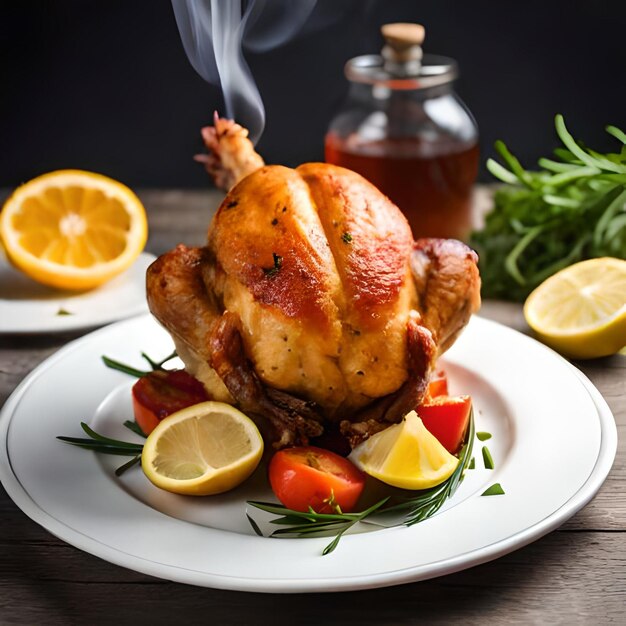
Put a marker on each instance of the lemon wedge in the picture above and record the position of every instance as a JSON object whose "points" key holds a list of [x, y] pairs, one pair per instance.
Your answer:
{"points": [[73, 229], [405, 455], [581, 310], [205, 449]]}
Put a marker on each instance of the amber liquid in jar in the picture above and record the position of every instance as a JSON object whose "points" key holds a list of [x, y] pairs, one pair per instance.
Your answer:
{"points": [[432, 185]]}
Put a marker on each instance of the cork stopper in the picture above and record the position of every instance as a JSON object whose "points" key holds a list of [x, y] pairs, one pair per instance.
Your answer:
{"points": [[403, 48]]}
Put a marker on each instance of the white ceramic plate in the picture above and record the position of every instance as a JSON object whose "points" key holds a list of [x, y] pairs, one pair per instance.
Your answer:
{"points": [[554, 441], [28, 307]]}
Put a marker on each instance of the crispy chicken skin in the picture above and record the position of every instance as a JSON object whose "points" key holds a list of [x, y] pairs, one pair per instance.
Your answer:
{"points": [[311, 305], [447, 284], [314, 261]]}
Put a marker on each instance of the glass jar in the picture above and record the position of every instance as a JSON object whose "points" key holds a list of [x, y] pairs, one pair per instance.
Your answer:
{"points": [[405, 129]]}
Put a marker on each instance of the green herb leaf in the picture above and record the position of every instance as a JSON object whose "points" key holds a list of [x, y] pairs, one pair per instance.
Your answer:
{"points": [[487, 459], [106, 445], [98, 446], [132, 371], [63, 311], [127, 369], [158, 365], [483, 436], [569, 210], [494, 490], [114, 442], [255, 526], [270, 272], [122, 468], [346, 237], [135, 428]]}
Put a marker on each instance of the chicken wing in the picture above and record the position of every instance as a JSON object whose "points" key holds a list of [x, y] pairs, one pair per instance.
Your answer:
{"points": [[447, 285]]}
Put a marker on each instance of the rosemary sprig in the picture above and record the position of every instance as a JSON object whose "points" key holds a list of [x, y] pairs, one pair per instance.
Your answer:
{"points": [[122, 367], [133, 371], [158, 365], [419, 508], [312, 523], [135, 428], [122, 468], [106, 445]]}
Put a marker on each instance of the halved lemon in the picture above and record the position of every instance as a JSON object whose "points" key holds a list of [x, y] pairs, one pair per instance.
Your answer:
{"points": [[73, 229], [405, 455], [581, 310], [205, 449]]}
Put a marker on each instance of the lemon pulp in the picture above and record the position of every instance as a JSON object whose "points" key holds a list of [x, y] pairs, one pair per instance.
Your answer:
{"points": [[581, 310], [73, 229], [405, 455], [204, 449]]}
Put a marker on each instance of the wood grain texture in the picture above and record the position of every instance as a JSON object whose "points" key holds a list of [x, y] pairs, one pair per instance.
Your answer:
{"points": [[574, 575]]}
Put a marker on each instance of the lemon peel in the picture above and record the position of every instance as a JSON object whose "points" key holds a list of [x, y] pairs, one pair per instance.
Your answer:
{"points": [[581, 310], [204, 449], [73, 229]]}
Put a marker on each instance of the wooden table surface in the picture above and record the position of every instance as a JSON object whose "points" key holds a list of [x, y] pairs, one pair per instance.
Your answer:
{"points": [[576, 574]]}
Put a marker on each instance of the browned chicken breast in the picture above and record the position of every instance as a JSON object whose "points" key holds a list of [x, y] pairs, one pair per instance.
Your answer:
{"points": [[311, 307]]}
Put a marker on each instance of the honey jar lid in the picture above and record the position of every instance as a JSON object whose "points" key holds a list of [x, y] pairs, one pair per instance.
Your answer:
{"points": [[402, 52], [402, 64]]}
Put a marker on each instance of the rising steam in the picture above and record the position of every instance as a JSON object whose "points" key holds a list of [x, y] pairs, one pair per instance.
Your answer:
{"points": [[214, 33]]}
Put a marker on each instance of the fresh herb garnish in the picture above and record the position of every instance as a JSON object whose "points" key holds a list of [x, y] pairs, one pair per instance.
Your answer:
{"points": [[270, 272], [122, 468], [487, 458], [572, 209], [346, 237], [312, 523], [106, 445], [255, 526], [481, 435], [135, 428], [122, 367], [63, 311], [158, 365], [132, 371], [416, 509], [494, 490]]}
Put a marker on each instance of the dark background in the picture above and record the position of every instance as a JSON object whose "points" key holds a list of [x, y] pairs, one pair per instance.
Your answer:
{"points": [[106, 86]]}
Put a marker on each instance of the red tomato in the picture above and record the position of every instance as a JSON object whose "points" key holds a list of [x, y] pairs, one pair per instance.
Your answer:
{"points": [[313, 477], [447, 419], [158, 394], [438, 385]]}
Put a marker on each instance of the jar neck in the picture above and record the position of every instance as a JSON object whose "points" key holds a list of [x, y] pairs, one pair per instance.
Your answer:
{"points": [[380, 94]]}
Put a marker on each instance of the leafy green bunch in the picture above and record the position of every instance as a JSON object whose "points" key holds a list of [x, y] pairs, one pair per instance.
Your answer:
{"points": [[574, 208]]}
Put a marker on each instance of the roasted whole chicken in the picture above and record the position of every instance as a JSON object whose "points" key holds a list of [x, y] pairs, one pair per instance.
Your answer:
{"points": [[311, 307]]}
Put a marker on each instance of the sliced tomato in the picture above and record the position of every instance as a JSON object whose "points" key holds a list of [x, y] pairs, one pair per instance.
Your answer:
{"points": [[438, 385], [159, 394], [313, 477], [447, 418]]}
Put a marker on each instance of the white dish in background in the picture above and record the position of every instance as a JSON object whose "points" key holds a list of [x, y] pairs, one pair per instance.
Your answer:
{"points": [[554, 441], [29, 307]]}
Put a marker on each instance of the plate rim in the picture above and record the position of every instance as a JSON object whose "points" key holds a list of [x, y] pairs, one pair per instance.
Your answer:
{"points": [[476, 556], [84, 325]]}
